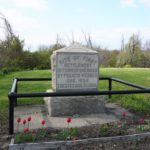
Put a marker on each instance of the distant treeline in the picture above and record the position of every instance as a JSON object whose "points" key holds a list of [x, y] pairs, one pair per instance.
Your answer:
{"points": [[13, 56], [131, 54]]}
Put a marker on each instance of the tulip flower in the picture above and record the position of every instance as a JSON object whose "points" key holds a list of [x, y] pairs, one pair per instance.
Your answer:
{"points": [[18, 120], [68, 119], [24, 121], [141, 121], [123, 114], [29, 119], [43, 122], [25, 130]]}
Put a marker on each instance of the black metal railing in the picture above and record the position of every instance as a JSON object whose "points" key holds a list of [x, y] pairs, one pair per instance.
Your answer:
{"points": [[13, 94]]}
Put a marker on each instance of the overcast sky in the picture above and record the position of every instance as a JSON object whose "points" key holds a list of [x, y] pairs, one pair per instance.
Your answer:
{"points": [[38, 21]]}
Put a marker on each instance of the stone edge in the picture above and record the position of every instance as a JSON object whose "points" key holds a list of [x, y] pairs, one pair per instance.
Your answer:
{"points": [[58, 144]]}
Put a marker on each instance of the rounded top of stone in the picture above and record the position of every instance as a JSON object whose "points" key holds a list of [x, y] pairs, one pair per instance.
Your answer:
{"points": [[77, 48]]}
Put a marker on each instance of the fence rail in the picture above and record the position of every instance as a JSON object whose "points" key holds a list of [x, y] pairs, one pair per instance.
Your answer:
{"points": [[13, 94]]}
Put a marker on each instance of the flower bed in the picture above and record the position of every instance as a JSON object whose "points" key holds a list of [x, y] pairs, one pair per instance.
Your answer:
{"points": [[124, 129], [135, 141]]}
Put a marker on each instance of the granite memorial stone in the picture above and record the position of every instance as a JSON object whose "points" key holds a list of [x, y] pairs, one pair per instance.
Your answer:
{"points": [[75, 68]]}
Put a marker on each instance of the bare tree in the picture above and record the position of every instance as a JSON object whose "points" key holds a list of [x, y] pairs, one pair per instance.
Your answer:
{"points": [[7, 27], [72, 41], [146, 52], [88, 39], [11, 47], [122, 43]]}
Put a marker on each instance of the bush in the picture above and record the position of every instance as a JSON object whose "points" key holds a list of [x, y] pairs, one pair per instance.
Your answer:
{"points": [[1, 72], [127, 66], [5, 71]]}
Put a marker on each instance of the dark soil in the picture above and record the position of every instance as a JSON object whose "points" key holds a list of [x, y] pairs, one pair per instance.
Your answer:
{"points": [[105, 130], [96, 131], [4, 138], [134, 145]]}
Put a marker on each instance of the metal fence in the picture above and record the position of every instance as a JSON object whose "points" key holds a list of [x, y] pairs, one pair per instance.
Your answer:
{"points": [[14, 95]]}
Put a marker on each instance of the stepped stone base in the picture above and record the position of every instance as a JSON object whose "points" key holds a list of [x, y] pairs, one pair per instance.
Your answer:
{"points": [[75, 105]]}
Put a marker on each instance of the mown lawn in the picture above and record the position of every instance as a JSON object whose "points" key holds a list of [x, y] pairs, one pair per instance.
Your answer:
{"points": [[7, 80], [139, 103]]}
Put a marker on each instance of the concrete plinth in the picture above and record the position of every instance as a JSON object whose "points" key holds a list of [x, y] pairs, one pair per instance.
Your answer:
{"points": [[75, 105], [39, 112]]}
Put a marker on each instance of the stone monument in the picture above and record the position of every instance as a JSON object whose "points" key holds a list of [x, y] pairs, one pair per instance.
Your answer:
{"points": [[75, 68]]}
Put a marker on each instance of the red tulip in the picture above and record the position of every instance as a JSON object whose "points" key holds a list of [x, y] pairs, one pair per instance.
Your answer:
{"points": [[123, 114], [18, 119], [141, 121], [25, 130], [24, 121], [43, 122], [68, 119], [29, 118]]}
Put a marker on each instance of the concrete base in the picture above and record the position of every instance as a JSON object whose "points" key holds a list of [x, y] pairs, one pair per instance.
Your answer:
{"points": [[75, 105], [39, 112]]}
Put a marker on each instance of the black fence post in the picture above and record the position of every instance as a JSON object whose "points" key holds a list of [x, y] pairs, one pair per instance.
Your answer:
{"points": [[11, 113], [16, 90], [110, 86]]}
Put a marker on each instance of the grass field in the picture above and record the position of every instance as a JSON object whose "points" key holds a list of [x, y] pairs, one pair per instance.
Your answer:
{"points": [[139, 103]]}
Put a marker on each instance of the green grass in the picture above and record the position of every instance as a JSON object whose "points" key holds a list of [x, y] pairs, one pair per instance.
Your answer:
{"points": [[7, 80], [138, 103]]}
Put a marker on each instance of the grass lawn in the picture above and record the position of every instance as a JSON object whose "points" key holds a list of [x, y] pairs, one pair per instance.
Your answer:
{"points": [[139, 103]]}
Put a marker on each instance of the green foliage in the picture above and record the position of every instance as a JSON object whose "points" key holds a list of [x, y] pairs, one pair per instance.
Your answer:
{"points": [[41, 133], [143, 128], [10, 52], [24, 137], [127, 66], [1, 73], [74, 132], [67, 134], [123, 124], [37, 60], [132, 53], [6, 71], [104, 128], [108, 58], [148, 122]]}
